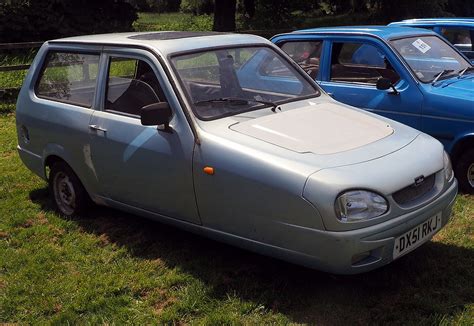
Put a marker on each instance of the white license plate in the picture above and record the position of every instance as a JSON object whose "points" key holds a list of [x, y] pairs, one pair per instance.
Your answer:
{"points": [[416, 236]]}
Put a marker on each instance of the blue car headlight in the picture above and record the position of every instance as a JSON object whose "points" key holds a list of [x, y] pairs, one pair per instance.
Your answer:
{"points": [[360, 205]]}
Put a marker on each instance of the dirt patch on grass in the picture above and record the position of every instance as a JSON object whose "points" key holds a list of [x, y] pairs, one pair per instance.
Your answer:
{"points": [[28, 223], [3, 284], [162, 305], [41, 218], [104, 239]]}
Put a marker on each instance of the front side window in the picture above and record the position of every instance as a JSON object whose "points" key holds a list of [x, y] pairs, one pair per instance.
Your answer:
{"points": [[360, 63], [69, 77], [225, 82], [131, 85], [430, 57], [305, 53]]}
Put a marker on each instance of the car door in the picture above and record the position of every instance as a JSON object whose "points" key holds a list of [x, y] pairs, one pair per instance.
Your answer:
{"points": [[141, 166], [349, 69], [352, 68], [64, 99]]}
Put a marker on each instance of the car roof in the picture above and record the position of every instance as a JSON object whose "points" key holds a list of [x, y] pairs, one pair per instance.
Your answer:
{"points": [[384, 32], [166, 42], [459, 21]]}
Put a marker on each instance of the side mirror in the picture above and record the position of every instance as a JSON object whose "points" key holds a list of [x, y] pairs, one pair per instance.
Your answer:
{"points": [[384, 84], [156, 114]]}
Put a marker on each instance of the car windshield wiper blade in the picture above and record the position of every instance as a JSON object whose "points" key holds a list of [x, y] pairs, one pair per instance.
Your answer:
{"points": [[239, 101], [441, 73], [462, 71]]}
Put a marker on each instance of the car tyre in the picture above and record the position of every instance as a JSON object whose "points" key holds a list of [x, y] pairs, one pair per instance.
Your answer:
{"points": [[464, 170], [68, 193]]}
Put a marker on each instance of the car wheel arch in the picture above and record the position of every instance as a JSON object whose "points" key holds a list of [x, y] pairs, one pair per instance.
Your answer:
{"points": [[460, 144], [53, 157], [49, 161]]}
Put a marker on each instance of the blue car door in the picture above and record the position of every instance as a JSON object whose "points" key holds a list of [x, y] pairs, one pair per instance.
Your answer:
{"points": [[349, 69]]}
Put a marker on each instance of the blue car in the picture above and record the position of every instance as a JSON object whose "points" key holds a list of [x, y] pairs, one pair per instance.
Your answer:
{"points": [[458, 31], [407, 74]]}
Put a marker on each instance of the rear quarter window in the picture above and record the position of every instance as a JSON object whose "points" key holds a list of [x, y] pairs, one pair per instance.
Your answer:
{"points": [[69, 77]]}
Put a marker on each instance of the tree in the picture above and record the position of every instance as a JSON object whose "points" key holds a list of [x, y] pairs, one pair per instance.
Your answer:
{"points": [[461, 8], [224, 15], [403, 9], [46, 19], [271, 14], [197, 7], [249, 8]]}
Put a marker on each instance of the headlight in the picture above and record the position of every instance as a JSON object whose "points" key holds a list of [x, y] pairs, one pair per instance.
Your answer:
{"points": [[448, 168], [359, 205]]}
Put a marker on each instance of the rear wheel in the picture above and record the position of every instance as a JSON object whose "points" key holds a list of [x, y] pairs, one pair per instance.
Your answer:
{"points": [[67, 191], [465, 171]]}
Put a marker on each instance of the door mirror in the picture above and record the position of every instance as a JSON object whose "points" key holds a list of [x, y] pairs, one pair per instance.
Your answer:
{"points": [[156, 114], [384, 84]]}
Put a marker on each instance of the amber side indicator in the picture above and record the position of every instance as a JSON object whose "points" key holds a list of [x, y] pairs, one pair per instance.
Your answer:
{"points": [[208, 170]]}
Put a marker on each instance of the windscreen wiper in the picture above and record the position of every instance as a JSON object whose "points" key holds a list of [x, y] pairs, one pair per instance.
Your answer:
{"points": [[441, 73], [461, 72], [239, 101]]}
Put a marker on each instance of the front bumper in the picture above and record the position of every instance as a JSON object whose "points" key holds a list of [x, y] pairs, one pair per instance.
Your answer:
{"points": [[334, 251]]}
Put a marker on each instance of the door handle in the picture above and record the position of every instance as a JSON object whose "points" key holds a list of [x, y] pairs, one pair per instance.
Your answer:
{"points": [[96, 127]]}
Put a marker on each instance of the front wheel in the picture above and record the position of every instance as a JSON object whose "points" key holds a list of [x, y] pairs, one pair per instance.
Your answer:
{"points": [[67, 191], [464, 170]]}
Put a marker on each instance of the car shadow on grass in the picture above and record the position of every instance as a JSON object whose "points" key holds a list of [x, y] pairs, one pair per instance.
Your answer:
{"points": [[431, 284]]}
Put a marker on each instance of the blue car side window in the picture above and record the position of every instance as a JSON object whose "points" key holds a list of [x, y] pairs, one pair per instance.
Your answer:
{"points": [[306, 53], [360, 63], [369, 55]]}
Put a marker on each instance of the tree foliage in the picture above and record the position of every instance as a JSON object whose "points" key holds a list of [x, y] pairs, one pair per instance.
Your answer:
{"points": [[402, 9], [156, 5], [197, 7], [464, 8], [47, 19]]}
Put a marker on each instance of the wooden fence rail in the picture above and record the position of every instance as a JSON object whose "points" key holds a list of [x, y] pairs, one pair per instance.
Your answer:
{"points": [[10, 93], [25, 45]]}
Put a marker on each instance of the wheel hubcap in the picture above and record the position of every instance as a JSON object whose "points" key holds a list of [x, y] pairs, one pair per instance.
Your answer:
{"points": [[64, 193], [470, 175]]}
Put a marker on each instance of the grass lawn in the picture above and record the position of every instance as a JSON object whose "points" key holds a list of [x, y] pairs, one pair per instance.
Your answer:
{"points": [[148, 21], [112, 267]]}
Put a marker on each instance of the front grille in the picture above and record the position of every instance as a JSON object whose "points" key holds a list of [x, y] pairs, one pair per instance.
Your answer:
{"points": [[412, 192]]}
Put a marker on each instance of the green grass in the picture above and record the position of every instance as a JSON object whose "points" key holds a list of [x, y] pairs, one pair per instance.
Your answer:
{"points": [[172, 22], [14, 79], [110, 267]]}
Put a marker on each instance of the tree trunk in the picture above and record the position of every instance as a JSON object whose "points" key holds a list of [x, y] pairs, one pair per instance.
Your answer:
{"points": [[249, 8], [224, 15]]}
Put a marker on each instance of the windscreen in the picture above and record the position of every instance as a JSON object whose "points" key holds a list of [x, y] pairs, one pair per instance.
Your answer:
{"points": [[223, 82], [430, 57]]}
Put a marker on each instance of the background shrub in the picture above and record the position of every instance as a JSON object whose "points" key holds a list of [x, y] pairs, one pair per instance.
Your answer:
{"points": [[47, 19]]}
